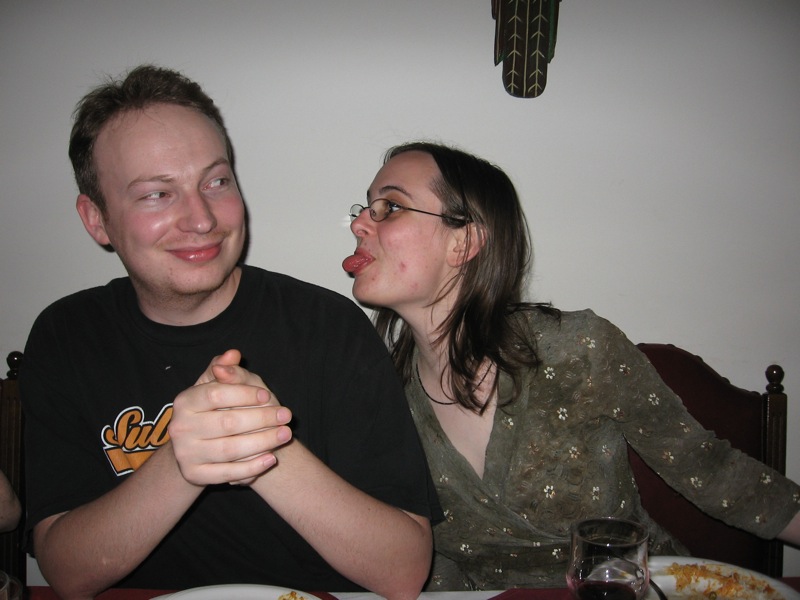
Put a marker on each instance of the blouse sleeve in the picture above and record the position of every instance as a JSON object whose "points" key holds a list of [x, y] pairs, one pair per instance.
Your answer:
{"points": [[719, 479]]}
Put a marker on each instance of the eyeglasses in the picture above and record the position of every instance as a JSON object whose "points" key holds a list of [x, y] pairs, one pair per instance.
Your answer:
{"points": [[381, 208]]}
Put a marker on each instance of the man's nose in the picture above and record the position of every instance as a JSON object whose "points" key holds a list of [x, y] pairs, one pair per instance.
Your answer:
{"points": [[197, 216]]}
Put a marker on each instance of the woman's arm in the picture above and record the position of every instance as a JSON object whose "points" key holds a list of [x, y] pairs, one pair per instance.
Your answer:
{"points": [[791, 533]]}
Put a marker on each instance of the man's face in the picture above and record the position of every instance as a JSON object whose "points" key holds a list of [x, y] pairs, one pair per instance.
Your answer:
{"points": [[174, 213]]}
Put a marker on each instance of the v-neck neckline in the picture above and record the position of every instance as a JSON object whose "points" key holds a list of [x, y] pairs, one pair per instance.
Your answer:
{"points": [[497, 455]]}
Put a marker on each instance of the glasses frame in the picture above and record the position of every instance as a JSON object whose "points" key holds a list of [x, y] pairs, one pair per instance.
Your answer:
{"points": [[357, 209]]}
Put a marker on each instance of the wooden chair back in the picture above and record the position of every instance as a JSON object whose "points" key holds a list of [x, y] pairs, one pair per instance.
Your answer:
{"points": [[752, 422], [12, 553]]}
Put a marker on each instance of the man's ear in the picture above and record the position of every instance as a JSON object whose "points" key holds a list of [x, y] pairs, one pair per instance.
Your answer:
{"points": [[467, 242], [93, 220]]}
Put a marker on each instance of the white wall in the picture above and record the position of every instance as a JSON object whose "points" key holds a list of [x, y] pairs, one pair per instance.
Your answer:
{"points": [[660, 169]]}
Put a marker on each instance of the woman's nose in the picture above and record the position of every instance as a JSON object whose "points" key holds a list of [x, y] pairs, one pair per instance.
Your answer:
{"points": [[362, 223]]}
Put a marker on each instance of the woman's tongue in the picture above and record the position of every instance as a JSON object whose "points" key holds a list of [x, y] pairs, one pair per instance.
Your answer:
{"points": [[355, 262]]}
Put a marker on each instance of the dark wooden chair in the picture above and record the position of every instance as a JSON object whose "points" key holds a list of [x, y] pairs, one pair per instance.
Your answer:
{"points": [[752, 422], [12, 553]]}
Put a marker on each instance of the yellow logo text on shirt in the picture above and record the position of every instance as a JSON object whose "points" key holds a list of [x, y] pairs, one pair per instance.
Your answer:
{"points": [[132, 440]]}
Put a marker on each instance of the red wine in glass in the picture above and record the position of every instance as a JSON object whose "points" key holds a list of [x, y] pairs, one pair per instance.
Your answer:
{"points": [[608, 560], [604, 590]]}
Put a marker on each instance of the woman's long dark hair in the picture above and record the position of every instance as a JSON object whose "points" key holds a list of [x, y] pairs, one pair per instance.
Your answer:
{"points": [[484, 322]]}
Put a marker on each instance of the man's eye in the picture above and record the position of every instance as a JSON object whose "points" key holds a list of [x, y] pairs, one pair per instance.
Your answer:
{"points": [[392, 207], [218, 182], [154, 196]]}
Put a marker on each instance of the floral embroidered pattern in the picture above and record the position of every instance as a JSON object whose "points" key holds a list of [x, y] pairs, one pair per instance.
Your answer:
{"points": [[554, 473]]}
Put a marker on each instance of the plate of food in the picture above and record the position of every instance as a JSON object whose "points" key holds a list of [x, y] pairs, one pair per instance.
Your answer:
{"points": [[240, 592], [700, 579]]}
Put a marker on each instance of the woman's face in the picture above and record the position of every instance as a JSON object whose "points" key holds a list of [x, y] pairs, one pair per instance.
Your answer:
{"points": [[403, 262]]}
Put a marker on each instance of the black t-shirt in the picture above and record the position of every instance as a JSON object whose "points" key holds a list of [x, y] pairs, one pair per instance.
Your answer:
{"points": [[97, 385]]}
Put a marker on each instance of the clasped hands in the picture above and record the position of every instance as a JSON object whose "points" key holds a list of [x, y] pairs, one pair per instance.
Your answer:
{"points": [[225, 428]]}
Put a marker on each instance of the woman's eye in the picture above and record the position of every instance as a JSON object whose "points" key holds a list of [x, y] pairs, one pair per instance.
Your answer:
{"points": [[393, 207]]}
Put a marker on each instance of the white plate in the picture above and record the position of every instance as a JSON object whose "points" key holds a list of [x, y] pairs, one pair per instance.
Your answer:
{"points": [[658, 572], [236, 592]]}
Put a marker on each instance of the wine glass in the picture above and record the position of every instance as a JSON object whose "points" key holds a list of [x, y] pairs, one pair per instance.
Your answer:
{"points": [[5, 582], [608, 560]]}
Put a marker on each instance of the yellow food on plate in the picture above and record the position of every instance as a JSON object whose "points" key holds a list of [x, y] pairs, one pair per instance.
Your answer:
{"points": [[291, 596], [719, 582]]}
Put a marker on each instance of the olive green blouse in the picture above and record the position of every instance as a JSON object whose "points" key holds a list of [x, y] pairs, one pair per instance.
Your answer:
{"points": [[558, 454]]}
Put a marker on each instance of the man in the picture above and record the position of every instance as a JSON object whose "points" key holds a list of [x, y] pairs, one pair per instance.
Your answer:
{"points": [[130, 465]]}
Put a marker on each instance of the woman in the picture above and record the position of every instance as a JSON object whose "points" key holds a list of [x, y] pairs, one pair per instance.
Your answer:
{"points": [[524, 411]]}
